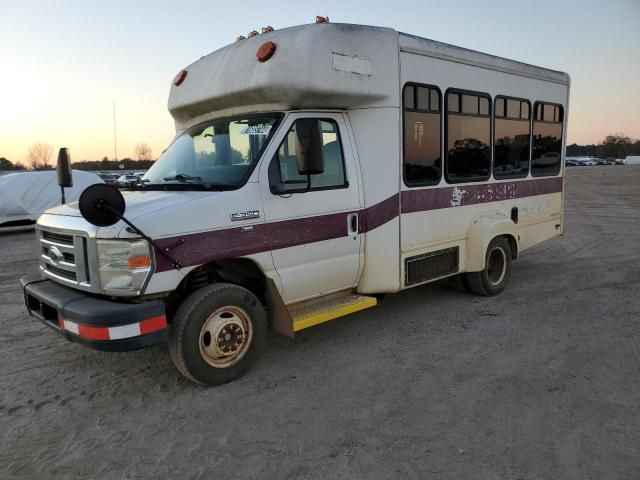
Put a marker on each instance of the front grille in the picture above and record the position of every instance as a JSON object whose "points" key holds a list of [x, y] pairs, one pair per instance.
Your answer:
{"points": [[430, 266], [63, 257], [57, 237], [61, 272]]}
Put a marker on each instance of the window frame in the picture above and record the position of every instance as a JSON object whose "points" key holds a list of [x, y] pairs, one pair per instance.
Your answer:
{"points": [[562, 132], [404, 126], [461, 91], [493, 133], [312, 189]]}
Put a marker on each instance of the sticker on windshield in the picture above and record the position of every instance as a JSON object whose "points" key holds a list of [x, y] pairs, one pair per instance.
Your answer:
{"points": [[262, 129]]}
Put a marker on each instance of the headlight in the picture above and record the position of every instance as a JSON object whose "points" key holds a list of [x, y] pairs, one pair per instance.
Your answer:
{"points": [[124, 266]]}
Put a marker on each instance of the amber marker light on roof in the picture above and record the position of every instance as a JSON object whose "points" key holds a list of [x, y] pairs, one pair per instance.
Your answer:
{"points": [[266, 51], [240, 38], [177, 81], [320, 19], [252, 33], [267, 29]]}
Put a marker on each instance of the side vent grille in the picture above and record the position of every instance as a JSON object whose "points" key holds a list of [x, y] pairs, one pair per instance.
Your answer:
{"points": [[432, 265]]}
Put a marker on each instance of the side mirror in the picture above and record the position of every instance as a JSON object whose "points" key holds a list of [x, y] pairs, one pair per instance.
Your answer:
{"points": [[309, 146], [63, 168]]}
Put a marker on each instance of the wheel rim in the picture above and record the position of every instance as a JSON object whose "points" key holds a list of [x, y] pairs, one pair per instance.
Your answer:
{"points": [[225, 336], [497, 266]]}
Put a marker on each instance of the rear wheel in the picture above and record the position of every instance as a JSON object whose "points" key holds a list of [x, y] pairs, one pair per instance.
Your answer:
{"points": [[217, 333], [495, 276]]}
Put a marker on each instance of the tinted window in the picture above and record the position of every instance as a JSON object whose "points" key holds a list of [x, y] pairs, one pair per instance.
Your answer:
{"points": [[422, 162], [409, 97], [423, 98], [468, 157], [284, 166], [547, 139], [511, 141]]}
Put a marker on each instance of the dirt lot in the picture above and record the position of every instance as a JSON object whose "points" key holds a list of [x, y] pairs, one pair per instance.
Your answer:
{"points": [[542, 381]]}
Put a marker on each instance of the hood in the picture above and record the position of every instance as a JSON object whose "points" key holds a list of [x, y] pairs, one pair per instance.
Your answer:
{"points": [[140, 203]]}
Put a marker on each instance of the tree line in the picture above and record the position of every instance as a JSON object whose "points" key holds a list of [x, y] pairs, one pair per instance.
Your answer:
{"points": [[40, 157], [617, 145]]}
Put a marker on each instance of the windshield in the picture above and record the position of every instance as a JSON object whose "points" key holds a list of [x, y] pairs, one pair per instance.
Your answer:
{"points": [[215, 154]]}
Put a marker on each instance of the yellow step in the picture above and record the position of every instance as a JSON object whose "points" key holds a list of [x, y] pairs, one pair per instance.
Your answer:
{"points": [[313, 312]]}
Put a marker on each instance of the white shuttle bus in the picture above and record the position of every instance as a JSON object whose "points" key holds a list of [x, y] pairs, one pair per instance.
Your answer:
{"points": [[313, 169]]}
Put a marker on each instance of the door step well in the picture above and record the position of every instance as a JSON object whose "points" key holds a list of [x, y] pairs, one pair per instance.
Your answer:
{"points": [[319, 310]]}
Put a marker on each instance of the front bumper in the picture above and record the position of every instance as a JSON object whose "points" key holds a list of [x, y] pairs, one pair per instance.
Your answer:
{"points": [[95, 322]]}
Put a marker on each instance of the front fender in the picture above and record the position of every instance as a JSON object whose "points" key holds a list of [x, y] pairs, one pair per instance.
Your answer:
{"points": [[484, 229]]}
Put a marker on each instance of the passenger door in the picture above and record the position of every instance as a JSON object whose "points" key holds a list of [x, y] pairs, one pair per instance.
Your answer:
{"points": [[314, 237]]}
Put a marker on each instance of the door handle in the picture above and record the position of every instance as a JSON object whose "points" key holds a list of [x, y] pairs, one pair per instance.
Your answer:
{"points": [[352, 224]]}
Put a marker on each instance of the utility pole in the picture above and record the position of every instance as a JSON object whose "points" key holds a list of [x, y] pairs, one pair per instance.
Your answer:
{"points": [[115, 143]]}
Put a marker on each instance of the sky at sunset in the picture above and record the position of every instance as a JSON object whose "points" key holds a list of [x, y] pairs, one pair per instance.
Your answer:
{"points": [[63, 64]]}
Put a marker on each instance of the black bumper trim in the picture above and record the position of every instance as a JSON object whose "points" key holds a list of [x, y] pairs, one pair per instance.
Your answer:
{"points": [[47, 300]]}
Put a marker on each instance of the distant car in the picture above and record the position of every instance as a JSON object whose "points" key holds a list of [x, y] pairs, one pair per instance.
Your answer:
{"points": [[109, 179], [601, 161], [128, 181], [614, 161], [572, 162], [588, 162]]}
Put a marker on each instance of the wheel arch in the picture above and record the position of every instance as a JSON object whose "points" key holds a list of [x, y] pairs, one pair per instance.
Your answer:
{"points": [[482, 231], [247, 273]]}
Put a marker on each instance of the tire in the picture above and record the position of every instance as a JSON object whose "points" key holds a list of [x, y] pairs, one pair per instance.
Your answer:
{"points": [[495, 276], [217, 333]]}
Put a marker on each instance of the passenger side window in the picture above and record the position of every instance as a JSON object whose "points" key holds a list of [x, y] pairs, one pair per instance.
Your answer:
{"points": [[283, 169], [547, 139], [468, 137], [511, 138], [422, 162]]}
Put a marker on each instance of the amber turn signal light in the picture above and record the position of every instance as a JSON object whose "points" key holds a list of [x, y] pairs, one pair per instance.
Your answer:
{"points": [[138, 262]]}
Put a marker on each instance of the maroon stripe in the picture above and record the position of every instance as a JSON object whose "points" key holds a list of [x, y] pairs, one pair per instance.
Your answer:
{"points": [[205, 247], [234, 242], [379, 214], [289, 233], [459, 196]]}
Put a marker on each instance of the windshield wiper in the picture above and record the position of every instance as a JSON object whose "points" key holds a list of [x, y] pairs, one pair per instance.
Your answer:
{"points": [[181, 177], [188, 180]]}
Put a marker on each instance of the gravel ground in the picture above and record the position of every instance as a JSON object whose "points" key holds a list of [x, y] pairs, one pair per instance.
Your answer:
{"points": [[540, 382]]}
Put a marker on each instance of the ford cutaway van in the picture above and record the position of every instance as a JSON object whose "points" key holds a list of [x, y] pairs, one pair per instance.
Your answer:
{"points": [[313, 169]]}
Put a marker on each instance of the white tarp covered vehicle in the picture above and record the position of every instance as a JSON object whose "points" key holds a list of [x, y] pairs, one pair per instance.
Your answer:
{"points": [[25, 196]]}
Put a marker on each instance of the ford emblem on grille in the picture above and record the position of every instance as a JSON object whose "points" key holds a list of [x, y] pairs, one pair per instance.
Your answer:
{"points": [[55, 255]]}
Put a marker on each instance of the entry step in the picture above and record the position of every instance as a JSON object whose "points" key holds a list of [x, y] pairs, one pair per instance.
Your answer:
{"points": [[320, 310]]}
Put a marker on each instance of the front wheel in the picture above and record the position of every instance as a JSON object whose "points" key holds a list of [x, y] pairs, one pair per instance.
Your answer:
{"points": [[495, 276], [217, 333]]}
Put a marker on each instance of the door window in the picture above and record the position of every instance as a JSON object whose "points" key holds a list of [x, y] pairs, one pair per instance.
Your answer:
{"points": [[283, 169]]}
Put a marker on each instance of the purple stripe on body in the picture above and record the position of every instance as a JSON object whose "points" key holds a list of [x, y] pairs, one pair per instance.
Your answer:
{"points": [[200, 248], [204, 247], [379, 214], [459, 196]]}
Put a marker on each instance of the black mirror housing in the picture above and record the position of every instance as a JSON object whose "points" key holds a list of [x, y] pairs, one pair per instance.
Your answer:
{"points": [[309, 149], [63, 168]]}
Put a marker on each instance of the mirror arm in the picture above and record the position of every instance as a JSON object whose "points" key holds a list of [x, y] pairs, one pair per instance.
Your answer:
{"points": [[308, 183], [102, 204]]}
